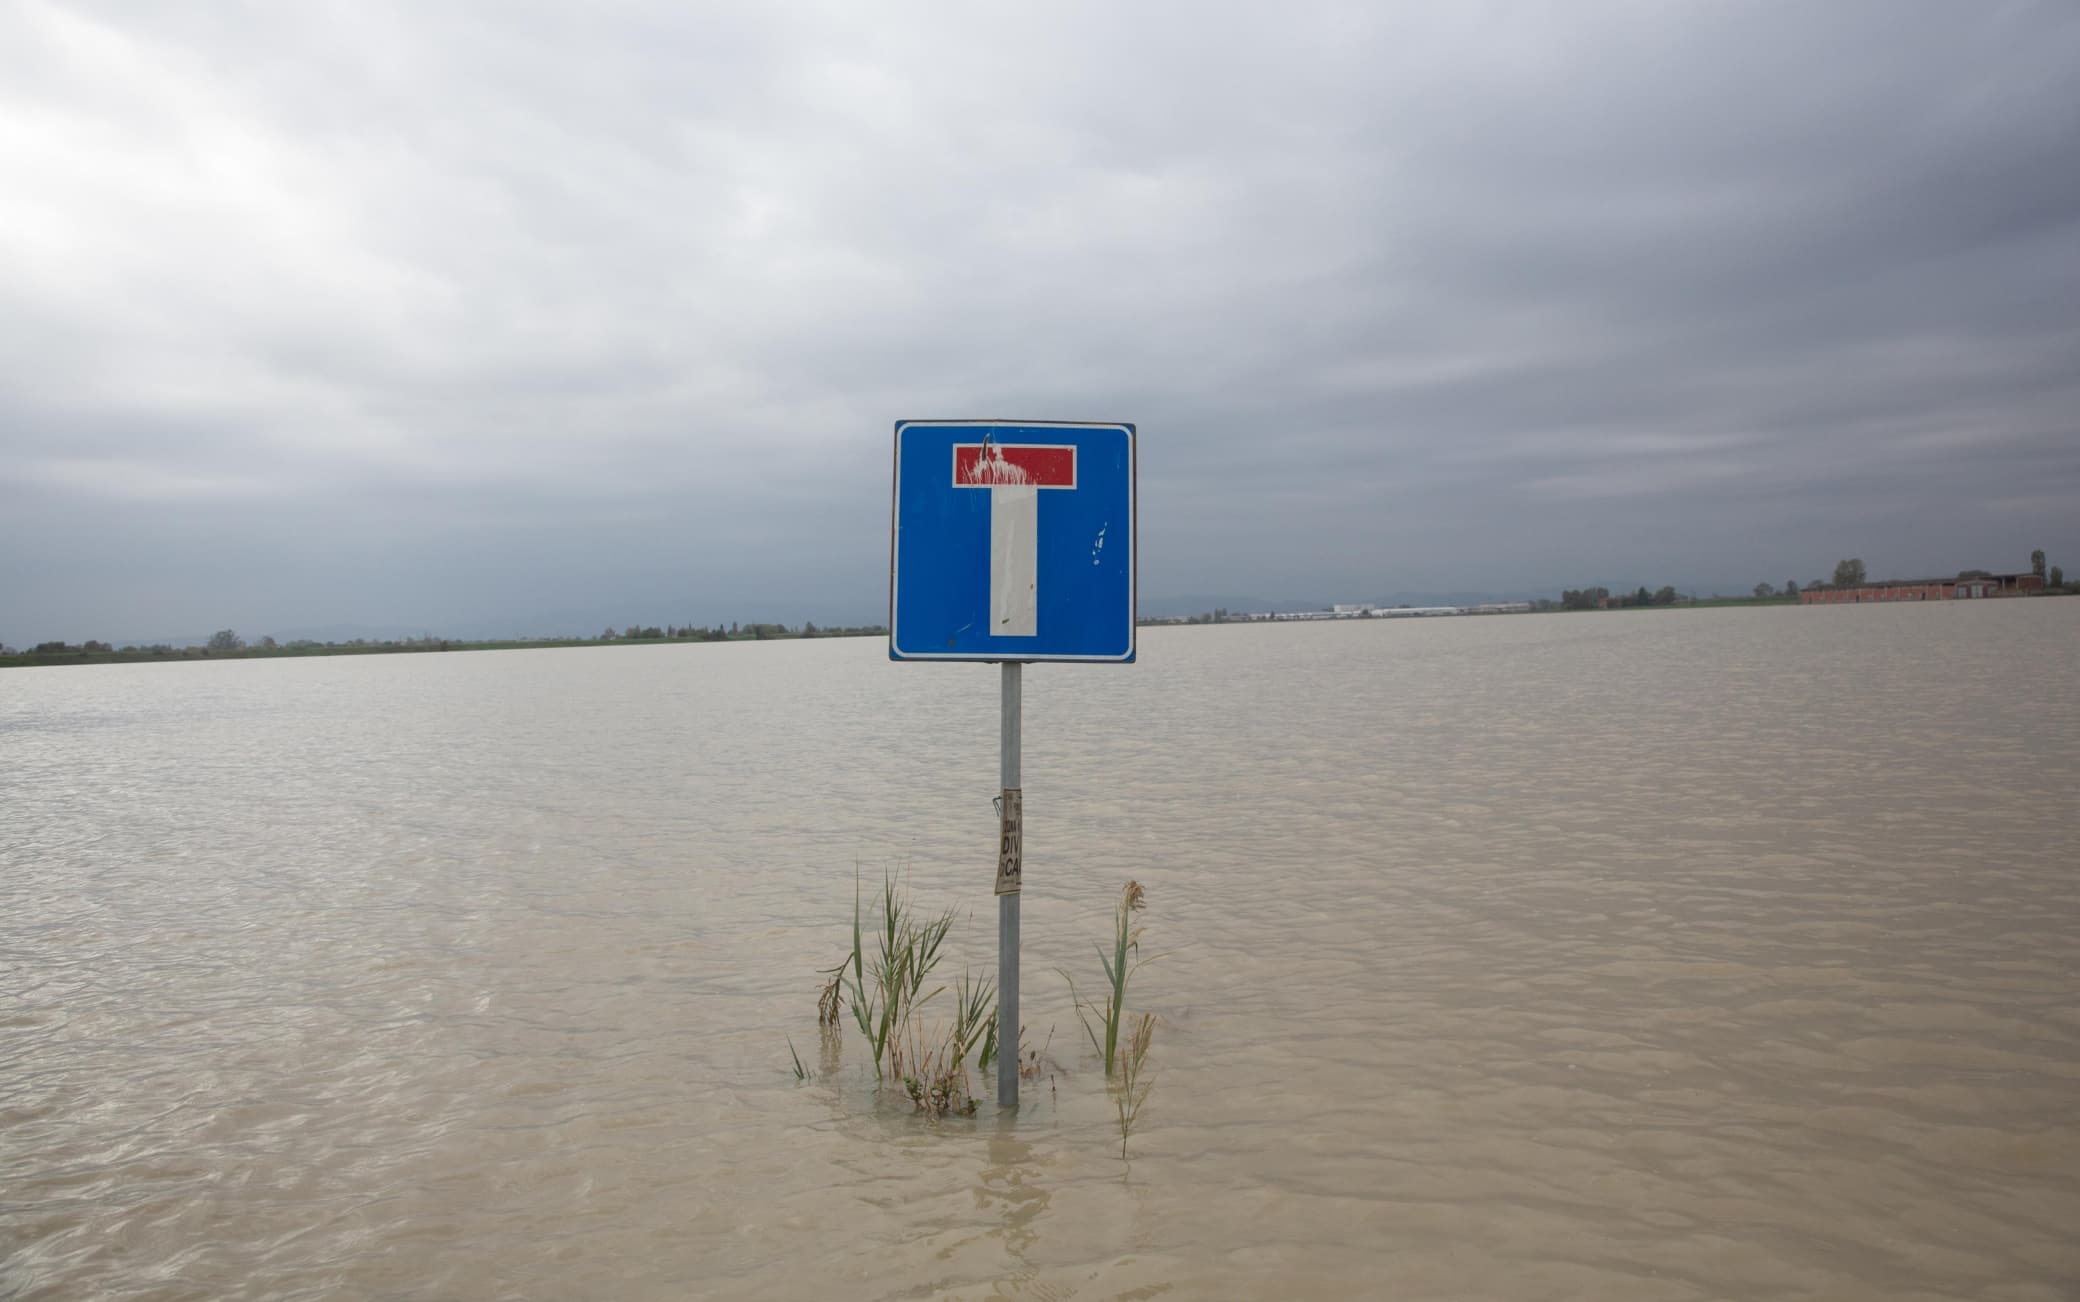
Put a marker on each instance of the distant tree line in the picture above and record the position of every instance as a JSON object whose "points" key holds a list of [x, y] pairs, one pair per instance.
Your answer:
{"points": [[226, 642], [668, 633], [717, 633], [1601, 598]]}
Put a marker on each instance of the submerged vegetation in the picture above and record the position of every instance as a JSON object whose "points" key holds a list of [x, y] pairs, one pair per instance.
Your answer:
{"points": [[883, 985], [886, 985]]}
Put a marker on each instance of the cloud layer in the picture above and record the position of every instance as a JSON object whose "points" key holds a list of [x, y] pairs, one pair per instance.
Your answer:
{"points": [[444, 315]]}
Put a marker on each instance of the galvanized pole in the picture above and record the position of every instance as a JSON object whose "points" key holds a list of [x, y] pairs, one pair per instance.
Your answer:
{"points": [[1010, 874]]}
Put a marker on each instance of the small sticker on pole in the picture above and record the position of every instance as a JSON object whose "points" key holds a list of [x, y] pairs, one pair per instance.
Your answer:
{"points": [[1010, 841]]}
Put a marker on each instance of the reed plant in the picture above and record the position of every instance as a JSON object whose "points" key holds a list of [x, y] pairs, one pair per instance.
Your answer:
{"points": [[1127, 1073], [1135, 1080], [885, 981], [886, 990], [1102, 1019], [975, 1019]]}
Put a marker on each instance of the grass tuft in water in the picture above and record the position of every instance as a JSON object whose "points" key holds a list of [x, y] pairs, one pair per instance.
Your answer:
{"points": [[975, 1019], [885, 981], [1101, 1021], [884, 986]]}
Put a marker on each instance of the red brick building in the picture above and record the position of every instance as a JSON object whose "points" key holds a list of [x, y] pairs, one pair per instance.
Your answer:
{"points": [[1994, 585]]}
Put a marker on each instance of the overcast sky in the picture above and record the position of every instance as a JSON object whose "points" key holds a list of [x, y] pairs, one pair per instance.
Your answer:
{"points": [[454, 315]]}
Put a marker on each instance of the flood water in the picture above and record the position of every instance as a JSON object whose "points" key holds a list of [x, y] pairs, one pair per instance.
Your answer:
{"points": [[1697, 954]]}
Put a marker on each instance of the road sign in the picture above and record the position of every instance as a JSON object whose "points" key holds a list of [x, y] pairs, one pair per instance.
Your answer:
{"points": [[1013, 540]]}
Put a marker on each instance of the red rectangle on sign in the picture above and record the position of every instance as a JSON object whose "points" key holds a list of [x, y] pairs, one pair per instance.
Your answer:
{"points": [[1038, 465]]}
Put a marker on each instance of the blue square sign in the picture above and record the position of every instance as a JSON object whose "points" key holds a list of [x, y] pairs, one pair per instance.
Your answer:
{"points": [[1013, 540]]}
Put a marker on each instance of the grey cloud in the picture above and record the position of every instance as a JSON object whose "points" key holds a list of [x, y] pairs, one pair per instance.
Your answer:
{"points": [[387, 313]]}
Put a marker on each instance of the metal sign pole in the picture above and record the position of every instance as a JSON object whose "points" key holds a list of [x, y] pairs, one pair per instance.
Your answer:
{"points": [[1010, 872]]}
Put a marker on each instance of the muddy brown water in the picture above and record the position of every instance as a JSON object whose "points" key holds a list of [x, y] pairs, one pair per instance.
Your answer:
{"points": [[1706, 954]]}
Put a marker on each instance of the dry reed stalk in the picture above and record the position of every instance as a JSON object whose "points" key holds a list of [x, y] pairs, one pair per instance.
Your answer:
{"points": [[830, 1001], [937, 1078], [1030, 1066], [1135, 1080]]}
